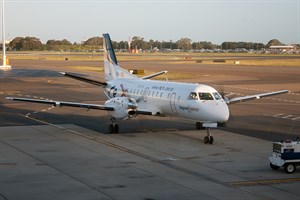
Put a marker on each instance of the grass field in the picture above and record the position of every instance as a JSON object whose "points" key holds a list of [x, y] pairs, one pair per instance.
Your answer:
{"points": [[174, 58], [272, 62], [243, 59], [169, 76]]}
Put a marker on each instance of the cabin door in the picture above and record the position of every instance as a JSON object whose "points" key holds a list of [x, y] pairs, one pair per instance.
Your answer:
{"points": [[173, 103]]}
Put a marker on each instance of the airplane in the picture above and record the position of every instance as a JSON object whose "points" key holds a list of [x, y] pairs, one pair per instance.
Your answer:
{"points": [[130, 96]]}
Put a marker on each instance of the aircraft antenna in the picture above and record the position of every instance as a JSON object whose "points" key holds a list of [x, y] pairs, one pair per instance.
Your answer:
{"points": [[129, 44]]}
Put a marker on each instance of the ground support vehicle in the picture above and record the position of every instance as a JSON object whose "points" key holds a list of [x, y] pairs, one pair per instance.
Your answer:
{"points": [[285, 154]]}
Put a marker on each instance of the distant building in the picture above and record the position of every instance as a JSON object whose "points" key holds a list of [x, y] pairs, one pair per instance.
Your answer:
{"points": [[283, 49]]}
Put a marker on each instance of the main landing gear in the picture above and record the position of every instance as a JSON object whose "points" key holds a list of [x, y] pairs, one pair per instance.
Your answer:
{"points": [[113, 127], [209, 138]]}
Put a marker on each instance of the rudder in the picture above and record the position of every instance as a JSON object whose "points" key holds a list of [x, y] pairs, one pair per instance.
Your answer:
{"points": [[111, 67]]}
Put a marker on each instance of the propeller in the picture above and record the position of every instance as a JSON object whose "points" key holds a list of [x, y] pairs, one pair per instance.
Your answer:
{"points": [[225, 96]]}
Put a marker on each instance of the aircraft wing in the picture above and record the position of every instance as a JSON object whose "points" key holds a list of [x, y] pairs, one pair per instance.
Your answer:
{"points": [[98, 83], [148, 109], [253, 97], [63, 103], [154, 75], [73, 104], [142, 112]]}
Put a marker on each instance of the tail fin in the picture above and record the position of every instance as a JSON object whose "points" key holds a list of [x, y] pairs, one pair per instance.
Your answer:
{"points": [[111, 67]]}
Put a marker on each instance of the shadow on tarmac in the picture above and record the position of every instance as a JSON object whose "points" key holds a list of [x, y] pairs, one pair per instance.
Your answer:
{"points": [[16, 117]]}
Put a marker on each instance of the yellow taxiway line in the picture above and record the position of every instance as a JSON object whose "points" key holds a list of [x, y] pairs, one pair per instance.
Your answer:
{"points": [[265, 182]]}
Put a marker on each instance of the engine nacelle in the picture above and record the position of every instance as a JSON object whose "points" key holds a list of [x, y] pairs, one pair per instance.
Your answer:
{"points": [[123, 107]]}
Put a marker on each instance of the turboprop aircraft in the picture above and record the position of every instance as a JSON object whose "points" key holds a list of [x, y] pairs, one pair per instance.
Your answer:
{"points": [[130, 96]]}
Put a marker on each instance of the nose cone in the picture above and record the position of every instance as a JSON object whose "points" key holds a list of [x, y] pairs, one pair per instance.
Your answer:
{"points": [[219, 113], [223, 112]]}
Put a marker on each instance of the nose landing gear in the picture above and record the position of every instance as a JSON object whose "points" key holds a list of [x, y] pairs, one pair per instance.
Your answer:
{"points": [[208, 139]]}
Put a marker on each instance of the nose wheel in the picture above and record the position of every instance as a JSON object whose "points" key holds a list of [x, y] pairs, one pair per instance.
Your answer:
{"points": [[209, 139], [113, 127]]}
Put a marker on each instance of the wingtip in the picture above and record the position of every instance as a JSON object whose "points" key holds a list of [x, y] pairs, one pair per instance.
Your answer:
{"points": [[9, 98], [63, 73], [285, 91]]}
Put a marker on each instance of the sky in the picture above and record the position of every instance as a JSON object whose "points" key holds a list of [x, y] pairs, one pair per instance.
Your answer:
{"points": [[164, 20]]}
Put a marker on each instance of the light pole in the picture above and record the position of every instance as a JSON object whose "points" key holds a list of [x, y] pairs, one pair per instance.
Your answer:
{"points": [[4, 66]]}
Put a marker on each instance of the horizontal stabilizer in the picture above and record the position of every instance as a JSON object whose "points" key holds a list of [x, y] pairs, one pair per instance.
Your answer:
{"points": [[98, 83], [154, 75], [253, 97], [63, 103]]}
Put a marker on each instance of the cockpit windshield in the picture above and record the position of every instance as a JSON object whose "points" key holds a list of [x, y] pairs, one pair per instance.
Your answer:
{"points": [[193, 96], [217, 96], [205, 96]]}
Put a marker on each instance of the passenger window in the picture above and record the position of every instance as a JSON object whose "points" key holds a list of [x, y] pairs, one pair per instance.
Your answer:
{"points": [[217, 96], [205, 96], [193, 96]]}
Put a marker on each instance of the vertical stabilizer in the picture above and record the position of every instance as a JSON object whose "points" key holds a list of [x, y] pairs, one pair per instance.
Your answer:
{"points": [[111, 67]]}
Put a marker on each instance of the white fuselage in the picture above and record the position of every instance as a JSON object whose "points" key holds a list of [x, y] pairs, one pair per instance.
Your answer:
{"points": [[196, 102]]}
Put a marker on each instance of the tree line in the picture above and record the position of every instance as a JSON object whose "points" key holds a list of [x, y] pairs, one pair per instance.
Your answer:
{"points": [[95, 44]]}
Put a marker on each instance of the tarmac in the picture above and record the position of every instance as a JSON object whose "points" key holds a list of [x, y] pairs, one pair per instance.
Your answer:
{"points": [[70, 162], [65, 153]]}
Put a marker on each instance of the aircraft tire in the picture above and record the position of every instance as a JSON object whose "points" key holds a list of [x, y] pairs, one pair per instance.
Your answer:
{"points": [[211, 140], [116, 128], [111, 129], [206, 140]]}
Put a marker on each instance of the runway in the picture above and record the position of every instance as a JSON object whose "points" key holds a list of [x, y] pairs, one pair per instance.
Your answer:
{"points": [[64, 153]]}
